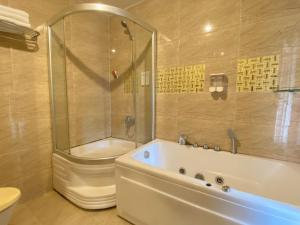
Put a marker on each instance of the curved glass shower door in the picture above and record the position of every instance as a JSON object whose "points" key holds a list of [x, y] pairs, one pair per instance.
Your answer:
{"points": [[102, 64], [57, 70]]}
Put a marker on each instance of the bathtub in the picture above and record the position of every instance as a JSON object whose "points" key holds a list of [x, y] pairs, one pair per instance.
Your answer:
{"points": [[156, 185], [86, 176]]}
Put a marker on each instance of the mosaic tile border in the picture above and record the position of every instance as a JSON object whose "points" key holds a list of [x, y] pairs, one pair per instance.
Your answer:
{"points": [[182, 79], [259, 74]]}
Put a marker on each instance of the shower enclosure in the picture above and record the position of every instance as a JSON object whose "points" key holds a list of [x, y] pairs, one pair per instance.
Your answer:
{"points": [[102, 73]]}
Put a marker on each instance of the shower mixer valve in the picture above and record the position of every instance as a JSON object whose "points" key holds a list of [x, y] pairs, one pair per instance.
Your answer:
{"points": [[129, 121]]}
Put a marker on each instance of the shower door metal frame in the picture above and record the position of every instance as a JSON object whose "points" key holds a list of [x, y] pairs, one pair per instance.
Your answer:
{"points": [[98, 7]]}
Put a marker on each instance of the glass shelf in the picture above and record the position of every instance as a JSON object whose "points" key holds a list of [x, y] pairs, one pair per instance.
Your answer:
{"points": [[288, 89]]}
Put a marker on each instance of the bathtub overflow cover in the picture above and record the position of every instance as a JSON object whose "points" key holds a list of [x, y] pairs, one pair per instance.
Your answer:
{"points": [[219, 180], [146, 154], [182, 170]]}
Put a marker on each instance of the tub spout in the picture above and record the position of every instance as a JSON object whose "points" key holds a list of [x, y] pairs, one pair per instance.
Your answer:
{"points": [[233, 139], [182, 140]]}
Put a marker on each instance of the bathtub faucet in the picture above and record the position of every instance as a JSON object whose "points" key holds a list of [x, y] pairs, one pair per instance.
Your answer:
{"points": [[182, 140], [233, 139]]}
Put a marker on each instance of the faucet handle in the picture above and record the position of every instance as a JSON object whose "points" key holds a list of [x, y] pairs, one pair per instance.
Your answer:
{"points": [[182, 139], [195, 145], [205, 146], [217, 148]]}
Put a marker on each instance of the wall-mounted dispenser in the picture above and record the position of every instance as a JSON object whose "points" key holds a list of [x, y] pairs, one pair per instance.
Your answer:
{"points": [[218, 83]]}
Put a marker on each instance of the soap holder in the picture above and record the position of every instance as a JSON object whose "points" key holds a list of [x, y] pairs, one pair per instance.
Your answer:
{"points": [[218, 83]]}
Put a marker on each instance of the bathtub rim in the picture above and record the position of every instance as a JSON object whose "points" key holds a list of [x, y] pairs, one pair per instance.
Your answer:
{"points": [[284, 209], [86, 161]]}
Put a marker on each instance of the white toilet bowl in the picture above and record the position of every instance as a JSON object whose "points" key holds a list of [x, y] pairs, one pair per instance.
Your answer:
{"points": [[8, 199]]}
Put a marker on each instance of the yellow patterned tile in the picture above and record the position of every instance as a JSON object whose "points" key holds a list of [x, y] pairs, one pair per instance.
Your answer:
{"points": [[182, 79], [259, 74]]}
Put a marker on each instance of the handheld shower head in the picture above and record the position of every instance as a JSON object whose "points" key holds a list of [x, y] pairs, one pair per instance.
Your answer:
{"points": [[233, 139], [231, 133]]}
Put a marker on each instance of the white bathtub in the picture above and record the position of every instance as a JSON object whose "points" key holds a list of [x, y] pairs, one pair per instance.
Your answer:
{"points": [[87, 176], [151, 191]]}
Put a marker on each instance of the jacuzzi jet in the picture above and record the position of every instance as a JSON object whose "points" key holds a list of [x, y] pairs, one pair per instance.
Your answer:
{"points": [[199, 176], [146, 154], [208, 184], [182, 170], [219, 180]]}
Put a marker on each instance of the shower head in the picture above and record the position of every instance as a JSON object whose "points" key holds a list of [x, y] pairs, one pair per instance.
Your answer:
{"points": [[127, 31]]}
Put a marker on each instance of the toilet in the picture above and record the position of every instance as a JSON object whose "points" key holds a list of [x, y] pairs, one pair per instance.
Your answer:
{"points": [[8, 199]]}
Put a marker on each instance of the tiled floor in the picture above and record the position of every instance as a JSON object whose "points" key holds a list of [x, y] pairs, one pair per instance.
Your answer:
{"points": [[53, 209]]}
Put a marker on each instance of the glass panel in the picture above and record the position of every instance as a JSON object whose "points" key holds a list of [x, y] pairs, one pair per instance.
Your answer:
{"points": [[59, 87], [87, 42], [143, 75], [102, 81], [122, 83]]}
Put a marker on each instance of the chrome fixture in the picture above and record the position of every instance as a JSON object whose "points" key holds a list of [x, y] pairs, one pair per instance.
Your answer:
{"points": [[219, 180], [205, 146], [129, 122], [217, 148], [127, 31], [182, 140], [225, 188], [233, 139]]}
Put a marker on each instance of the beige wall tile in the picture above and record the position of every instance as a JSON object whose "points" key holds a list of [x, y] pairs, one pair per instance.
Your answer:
{"points": [[195, 15], [25, 131], [5, 52], [167, 104], [202, 131], [265, 123], [37, 184], [10, 167], [204, 106], [166, 127], [274, 32], [261, 10]]}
